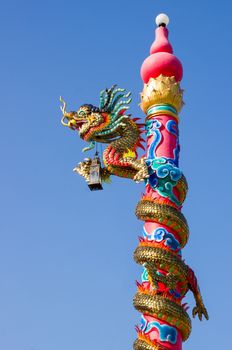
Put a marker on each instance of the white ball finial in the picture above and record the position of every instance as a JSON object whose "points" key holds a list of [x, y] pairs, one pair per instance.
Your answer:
{"points": [[162, 19]]}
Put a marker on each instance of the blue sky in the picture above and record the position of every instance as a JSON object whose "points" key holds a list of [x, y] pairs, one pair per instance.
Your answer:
{"points": [[67, 276]]}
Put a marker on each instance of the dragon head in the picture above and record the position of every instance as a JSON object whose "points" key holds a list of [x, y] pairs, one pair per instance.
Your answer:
{"points": [[87, 120], [101, 123]]}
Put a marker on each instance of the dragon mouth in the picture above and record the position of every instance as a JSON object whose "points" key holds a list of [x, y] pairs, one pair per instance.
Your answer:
{"points": [[83, 127], [79, 124]]}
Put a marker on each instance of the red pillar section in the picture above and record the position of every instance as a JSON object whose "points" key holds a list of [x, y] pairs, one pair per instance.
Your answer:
{"points": [[166, 278]]}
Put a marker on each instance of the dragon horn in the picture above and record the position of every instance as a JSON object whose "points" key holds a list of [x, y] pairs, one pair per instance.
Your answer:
{"points": [[63, 108]]}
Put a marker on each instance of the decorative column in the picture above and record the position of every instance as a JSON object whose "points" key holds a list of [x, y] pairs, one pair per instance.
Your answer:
{"points": [[165, 278]]}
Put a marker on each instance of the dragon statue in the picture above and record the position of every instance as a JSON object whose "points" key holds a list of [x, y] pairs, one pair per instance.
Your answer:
{"points": [[166, 278], [109, 124]]}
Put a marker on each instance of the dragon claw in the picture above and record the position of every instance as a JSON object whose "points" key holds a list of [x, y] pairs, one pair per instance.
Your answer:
{"points": [[141, 175], [83, 168], [138, 177], [200, 311]]}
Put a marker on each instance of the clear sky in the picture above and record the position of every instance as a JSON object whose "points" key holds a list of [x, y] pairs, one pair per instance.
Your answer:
{"points": [[67, 275]]}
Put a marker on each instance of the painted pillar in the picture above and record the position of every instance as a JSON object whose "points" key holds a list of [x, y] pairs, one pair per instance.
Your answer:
{"points": [[165, 322]]}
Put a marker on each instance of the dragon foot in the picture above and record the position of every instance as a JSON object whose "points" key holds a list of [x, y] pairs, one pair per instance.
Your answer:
{"points": [[142, 173], [140, 176], [83, 168], [200, 309]]}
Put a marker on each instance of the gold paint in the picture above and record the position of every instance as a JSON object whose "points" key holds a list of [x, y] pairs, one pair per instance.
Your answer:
{"points": [[142, 344], [129, 153], [165, 214], [161, 90], [156, 304], [148, 254]]}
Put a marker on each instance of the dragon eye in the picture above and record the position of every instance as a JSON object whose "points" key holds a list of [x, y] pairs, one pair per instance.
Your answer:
{"points": [[81, 113]]}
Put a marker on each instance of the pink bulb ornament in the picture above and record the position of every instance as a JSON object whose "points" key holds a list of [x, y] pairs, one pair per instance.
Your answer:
{"points": [[161, 59]]}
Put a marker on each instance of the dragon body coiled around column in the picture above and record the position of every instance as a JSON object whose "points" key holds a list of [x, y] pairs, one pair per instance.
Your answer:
{"points": [[166, 278]]}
